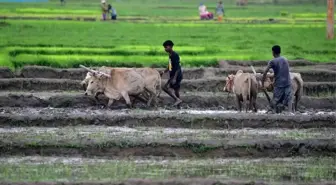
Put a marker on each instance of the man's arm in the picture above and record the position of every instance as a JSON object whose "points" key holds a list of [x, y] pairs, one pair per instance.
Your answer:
{"points": [[269, 66]]}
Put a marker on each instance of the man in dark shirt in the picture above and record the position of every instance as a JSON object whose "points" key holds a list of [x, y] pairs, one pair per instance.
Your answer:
{"points": [[282, 82], [172, 87]]}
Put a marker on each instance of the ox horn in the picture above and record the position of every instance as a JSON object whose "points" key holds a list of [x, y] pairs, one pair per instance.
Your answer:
{"points": [[88, 69], [254, 71], [96, 72]]}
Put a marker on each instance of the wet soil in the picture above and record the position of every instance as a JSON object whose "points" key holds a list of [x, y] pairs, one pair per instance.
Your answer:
{"points": [[53, 117], [191, 100], [311, 74], [199, 85], [175, 148]]}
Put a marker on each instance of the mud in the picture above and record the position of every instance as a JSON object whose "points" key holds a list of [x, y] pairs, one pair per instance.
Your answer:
{"points": [[52, 117], [173, 148], [6, 73], [199, 85], [191, 100], [314, 74]]}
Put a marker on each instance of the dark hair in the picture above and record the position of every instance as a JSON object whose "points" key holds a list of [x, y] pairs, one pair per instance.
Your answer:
{"points": [[276, 49], [109, 6], [168, 43]]}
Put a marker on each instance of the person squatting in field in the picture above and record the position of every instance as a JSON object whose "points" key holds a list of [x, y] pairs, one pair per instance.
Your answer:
{"points": [[175, 73], [113, 12], [104, 8], [282, 81], [204, 14]]}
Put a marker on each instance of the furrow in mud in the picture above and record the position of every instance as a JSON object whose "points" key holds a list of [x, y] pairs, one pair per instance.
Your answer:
{"points": [[315, 74], [57, 117], [190, 100], [110, 147], [200, 85]]}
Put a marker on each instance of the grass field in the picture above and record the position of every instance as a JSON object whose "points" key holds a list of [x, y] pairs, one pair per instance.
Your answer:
{"points": [[300, 32]]}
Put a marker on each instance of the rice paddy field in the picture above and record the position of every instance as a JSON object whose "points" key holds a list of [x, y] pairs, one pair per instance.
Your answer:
{"points": [[51, 133]]}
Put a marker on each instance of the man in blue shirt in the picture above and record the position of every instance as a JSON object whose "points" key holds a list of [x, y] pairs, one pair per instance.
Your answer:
{"points": [[282, 82], [172, 87]]}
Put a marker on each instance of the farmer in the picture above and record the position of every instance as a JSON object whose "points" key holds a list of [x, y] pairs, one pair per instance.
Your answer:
{"points": [[282, 82], [204, 14], [113, 12], [104, 8], [172, 87], [220, 11]]}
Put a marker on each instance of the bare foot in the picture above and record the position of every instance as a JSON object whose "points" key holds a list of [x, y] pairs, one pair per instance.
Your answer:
{"points": [[178, 102]]}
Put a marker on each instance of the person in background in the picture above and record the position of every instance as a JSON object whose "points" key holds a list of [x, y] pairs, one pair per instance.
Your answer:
{"points": [[113, 12], [282, 82], [220, 11], [172, 87], [104, 8], [62, 2], [204, 14]]}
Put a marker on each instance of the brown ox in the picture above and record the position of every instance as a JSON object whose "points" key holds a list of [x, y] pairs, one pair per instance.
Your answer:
{"points": [[118, 83], [297, 88], [245, 87], [151, 76]]}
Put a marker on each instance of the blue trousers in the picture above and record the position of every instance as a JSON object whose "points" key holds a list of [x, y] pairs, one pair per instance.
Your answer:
{"points": [[282, 96]]}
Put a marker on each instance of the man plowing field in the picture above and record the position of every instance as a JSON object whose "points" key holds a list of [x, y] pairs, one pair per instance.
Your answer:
{"points": [[282, 81]]}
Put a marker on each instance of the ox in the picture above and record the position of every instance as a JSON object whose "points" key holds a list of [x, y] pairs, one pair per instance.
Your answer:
{"points": [[151, 77], [118, 83], [245, 87]]}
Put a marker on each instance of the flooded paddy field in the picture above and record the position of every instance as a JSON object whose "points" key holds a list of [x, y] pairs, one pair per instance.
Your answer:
{"points": [[51, 131]]}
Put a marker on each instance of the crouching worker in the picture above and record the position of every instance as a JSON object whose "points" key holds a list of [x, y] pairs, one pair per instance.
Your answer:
{"points": [[282, 81], [172, 87]]}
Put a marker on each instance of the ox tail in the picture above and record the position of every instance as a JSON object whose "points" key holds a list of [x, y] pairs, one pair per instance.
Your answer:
{"points": [[249, 90], [158, 86], [299, 91]]}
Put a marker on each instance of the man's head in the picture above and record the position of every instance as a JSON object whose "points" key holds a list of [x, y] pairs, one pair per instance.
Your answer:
{"points": [[276, 50], [168, 46], [220, 2]]}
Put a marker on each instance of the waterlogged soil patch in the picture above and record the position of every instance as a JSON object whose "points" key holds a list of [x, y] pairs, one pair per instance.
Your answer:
{"points": [[215, 101], [56, 117], [200, 85], [81, 169], [77, 145]]}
